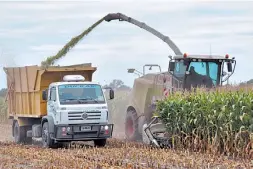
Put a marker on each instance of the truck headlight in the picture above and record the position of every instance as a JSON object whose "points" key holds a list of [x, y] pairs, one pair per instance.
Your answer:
{"points": [[105, 129]]}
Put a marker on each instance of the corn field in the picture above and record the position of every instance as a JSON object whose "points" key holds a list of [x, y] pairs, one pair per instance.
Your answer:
{"points": [[218, 121]]}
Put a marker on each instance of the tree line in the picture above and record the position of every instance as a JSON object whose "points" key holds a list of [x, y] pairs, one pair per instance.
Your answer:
{"points": [[3, 92]]}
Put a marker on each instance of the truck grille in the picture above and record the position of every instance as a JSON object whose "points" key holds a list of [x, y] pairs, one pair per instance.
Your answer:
{"points": [[91, 115]]}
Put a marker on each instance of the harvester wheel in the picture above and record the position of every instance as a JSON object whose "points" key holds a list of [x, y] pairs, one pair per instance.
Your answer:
{"points": [[131, 126], [19, 133]]}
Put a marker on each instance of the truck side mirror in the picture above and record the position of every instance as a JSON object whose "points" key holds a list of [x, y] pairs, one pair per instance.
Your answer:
{"points": [[44, 94], [229, 65], [111, 94], [171, 66]]}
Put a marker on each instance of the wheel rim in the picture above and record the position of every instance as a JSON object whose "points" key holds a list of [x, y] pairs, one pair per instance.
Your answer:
{"points": [[129, 127]]}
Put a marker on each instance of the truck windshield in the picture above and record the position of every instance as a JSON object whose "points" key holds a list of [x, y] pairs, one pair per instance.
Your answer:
{"points": [[80, 94]]}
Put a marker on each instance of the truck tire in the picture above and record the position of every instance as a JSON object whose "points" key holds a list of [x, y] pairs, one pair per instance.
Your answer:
{"points": [[47, 142], [131, 126], [100, 143], [19, 133]]}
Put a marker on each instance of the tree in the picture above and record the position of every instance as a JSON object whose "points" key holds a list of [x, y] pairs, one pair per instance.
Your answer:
{"points": [[3, 92], [249, 82], [117, 84]]}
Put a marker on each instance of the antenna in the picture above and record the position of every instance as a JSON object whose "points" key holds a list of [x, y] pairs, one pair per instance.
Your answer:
{"points": [[210, 49]]}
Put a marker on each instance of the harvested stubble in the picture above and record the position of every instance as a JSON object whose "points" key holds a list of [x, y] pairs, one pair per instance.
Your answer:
{"points": [[117, 154], [216, 121]]}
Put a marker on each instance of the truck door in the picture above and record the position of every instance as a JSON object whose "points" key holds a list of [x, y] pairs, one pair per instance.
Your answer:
{"points": [[51, 104]]}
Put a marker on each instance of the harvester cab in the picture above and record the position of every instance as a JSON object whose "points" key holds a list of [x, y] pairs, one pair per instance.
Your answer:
{"points": [[201, 70]]}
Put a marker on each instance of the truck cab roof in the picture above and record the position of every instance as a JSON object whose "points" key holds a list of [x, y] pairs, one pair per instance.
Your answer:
{"points": [[81, 82]]}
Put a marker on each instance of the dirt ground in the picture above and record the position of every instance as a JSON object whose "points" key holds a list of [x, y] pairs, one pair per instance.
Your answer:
{"points": [[117, 154]]}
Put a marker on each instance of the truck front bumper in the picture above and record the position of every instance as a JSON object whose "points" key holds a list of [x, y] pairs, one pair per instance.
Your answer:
{"points": [[83, 132]]}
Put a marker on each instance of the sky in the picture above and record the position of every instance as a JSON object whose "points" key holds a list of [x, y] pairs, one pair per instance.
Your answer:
{"points": [[32, 31]]}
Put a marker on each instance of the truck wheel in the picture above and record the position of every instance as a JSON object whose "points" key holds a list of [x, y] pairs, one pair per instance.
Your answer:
{"points": [[47, 142], [100, 143], [131, 126], [19, 133]]}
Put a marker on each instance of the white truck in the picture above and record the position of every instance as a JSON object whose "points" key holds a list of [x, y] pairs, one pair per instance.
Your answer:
{"points": [[57, 105]]}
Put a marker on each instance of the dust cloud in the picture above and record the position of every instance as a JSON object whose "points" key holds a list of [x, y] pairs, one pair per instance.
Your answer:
{"points": [[117, 108]]}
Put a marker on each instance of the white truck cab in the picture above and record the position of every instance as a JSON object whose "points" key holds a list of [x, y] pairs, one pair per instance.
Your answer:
{"points": [[78, 111]]}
